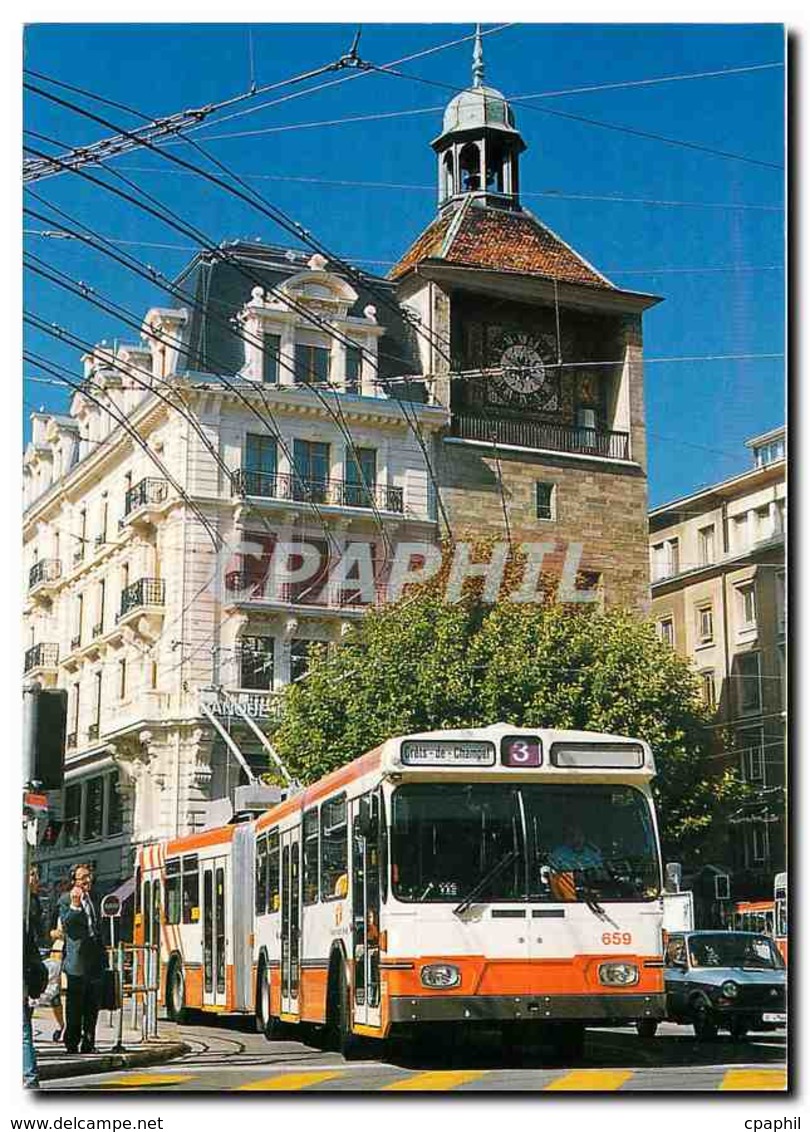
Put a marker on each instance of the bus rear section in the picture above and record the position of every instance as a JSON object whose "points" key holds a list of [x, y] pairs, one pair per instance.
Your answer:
{"points": [[491, 877], [195, 901]]}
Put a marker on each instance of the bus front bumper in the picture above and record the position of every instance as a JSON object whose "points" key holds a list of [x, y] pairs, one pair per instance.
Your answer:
{"points": [[540, 1008]]}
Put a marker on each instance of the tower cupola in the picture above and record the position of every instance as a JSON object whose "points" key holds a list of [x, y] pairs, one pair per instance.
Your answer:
{"points": [[479, 147]]}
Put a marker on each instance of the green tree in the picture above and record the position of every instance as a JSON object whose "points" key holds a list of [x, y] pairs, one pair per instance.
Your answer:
{"points": [[423, 664]]}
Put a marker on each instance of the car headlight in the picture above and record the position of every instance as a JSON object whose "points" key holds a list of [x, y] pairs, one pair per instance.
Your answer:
{"points": [[440, 976], [730, 989], [618, 974]]}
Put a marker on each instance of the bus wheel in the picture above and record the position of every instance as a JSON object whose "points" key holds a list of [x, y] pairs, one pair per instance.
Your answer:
{"points": [[646, 1027], [176, 992], [262, 1000], [347, 1043]]}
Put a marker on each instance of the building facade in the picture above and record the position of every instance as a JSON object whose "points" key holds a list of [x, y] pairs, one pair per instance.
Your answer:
{"points": [[492, 385], [719, 598]]}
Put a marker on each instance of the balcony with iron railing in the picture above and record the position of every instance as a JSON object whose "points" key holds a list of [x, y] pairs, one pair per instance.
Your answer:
{"points": [[521, 432], [41, 656], [335, 493], [44, 573], [145, 594], [143, 500], [245, 588]]}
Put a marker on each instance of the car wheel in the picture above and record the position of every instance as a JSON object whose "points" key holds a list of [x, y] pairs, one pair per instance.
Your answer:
{"points": [[647, 1027], [703, 1023]]}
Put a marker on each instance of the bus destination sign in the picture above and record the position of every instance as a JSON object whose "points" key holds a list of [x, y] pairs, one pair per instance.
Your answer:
{"points": [[446, 752]]}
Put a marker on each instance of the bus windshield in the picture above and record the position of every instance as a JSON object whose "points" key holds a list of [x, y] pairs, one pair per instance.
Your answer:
{"points": [[517, 842]]}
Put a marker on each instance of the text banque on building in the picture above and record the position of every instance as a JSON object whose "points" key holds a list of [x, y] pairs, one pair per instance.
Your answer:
{"points": [[282, 398]]}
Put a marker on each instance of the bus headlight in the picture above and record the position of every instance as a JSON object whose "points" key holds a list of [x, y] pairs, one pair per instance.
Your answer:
{"points": [[730, 989], [440, 976], [618, 974]]}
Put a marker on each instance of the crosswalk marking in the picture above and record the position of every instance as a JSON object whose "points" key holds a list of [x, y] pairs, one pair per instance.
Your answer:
{"points": [[755, 1079], [145, 1080], [591, 1080], [288, 1082], [437, 1080]]}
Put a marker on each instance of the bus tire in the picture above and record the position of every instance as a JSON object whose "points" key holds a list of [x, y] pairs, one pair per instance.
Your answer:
{"points": [[339, 1010], [176, 991], [262, 999]]}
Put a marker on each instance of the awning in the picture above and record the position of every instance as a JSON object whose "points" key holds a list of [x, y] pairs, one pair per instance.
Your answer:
{"points": [[124, 890]]}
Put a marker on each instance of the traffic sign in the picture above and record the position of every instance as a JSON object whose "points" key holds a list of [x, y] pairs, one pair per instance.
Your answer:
{"points": [[111, 905]]}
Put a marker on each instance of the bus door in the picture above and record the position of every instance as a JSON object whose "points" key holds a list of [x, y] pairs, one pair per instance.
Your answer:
{"points": [[214, 880], [290, 919], [369, 841], [150, 904]]}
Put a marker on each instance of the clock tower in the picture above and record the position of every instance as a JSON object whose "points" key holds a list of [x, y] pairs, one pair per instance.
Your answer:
{"points": [[537, 355]]}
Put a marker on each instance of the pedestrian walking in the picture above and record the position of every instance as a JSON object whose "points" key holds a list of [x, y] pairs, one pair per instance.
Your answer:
{"points": [[84, 962]]}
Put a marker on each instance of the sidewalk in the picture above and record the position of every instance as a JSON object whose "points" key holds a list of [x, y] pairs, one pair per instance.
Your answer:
{"points": [[54, 1060]]}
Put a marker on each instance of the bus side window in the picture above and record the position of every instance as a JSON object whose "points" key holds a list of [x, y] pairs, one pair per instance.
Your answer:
{"points": [[273, 872], [334, 849], [191, 889], [173, 884], [310, 837], [261, 876], [382, 842], [137, 889]]}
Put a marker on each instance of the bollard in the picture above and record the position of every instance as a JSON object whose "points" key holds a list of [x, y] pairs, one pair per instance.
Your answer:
{"points": [[119, 1038]]}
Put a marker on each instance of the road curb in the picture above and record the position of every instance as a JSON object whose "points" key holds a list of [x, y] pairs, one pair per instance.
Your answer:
{"points": [[130, 1059]]}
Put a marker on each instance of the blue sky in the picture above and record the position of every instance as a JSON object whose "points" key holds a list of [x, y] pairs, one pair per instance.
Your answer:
{"points": [[715, 256]]}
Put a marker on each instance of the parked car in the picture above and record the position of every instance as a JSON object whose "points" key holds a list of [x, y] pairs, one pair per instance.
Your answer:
{"points": [[719, 980]]}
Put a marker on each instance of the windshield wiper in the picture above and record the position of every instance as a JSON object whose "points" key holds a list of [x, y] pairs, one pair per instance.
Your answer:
{"points": [[488, 876]]}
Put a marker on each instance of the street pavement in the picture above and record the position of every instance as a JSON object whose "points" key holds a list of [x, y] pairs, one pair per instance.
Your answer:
{"points": [[229, 1057]]}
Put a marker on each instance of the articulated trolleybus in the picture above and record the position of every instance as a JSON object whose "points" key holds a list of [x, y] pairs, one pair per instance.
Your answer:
{"points": [[493, 876]]}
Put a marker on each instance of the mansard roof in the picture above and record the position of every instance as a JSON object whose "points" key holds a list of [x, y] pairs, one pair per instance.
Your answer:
{"points": [[509, 240], [221, 288]]}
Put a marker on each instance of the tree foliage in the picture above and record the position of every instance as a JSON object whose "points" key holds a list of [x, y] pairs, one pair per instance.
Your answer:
{"points": [[423, 664]]}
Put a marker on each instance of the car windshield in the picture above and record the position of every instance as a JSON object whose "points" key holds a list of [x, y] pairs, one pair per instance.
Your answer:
{"points": [[525, 842], [733, 949]]}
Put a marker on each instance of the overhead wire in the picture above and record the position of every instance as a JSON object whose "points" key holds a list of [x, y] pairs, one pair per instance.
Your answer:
{"points": [[300, 233], [34, 359], [246, 338]]}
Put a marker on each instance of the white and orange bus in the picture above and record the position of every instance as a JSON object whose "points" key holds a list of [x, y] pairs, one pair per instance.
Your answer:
{"points": [[498, 875]]}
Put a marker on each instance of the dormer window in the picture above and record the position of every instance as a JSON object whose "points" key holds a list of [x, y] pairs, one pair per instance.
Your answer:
{"points": [[354, 366], [311, 363], [271, 355]]}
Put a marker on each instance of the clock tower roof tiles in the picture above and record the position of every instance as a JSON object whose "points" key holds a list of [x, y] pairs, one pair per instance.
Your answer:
{"points": [[499, 240]]}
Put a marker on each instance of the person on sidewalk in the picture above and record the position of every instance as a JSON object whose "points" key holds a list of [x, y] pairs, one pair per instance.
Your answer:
{"points": [[84, 963], [35, 976]]}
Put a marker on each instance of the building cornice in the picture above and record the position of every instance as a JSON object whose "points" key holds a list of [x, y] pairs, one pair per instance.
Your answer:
{"points": [[144, 417], [714, 496]]}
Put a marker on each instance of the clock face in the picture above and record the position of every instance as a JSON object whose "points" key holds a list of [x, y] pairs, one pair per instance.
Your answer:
{"points": [[524, 376]]}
